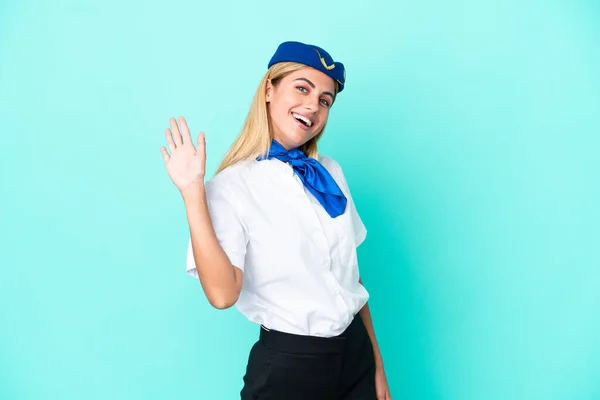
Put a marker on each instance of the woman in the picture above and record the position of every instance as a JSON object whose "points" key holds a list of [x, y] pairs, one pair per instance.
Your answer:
{"points": [[275, 232]]}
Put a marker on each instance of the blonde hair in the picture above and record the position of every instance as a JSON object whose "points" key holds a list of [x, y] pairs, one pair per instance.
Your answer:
{"points": [[254, 139]]}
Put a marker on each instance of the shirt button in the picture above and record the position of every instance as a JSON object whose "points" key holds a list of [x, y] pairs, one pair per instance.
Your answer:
{"points": [[336, 291]]}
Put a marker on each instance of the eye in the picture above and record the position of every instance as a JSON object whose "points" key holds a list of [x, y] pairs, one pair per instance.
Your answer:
{"points": [[302, 89], [325, 102]]}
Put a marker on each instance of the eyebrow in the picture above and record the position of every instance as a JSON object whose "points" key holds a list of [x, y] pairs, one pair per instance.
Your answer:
{"points": [[312, 85]]}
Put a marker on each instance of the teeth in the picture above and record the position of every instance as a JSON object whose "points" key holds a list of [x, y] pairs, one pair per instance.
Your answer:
{"points": [[298, 116]]}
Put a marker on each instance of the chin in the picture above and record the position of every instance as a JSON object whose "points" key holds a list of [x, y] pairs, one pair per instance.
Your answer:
{"points": [[302, 140], [297, 139], [294, 137]]}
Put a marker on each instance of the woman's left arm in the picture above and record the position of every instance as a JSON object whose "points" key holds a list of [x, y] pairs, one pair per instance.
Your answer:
{"points": [[381, 385]]}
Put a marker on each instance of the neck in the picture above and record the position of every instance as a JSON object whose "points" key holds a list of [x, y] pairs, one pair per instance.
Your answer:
{"points": [[287, 147]]}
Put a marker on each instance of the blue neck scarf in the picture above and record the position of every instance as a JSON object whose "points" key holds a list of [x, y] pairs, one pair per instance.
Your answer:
{"points": [[313, 175]]}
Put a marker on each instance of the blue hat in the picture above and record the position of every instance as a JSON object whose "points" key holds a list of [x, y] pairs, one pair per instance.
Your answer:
{"points": [[313, 56]]}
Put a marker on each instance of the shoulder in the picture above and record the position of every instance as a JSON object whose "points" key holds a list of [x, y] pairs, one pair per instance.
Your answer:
{"points": [[329, 163], [334, 168], [231, 178], [227, 190]]}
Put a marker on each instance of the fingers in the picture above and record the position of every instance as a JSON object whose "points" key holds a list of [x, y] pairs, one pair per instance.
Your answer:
{"points": [[169, 137], [175, 138], [382, 394], [164, 153], [202, 144], [175, 130], [185, 131]]}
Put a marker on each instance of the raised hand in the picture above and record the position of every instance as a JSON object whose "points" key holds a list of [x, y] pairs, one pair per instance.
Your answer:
{"points": [[185, 164]]}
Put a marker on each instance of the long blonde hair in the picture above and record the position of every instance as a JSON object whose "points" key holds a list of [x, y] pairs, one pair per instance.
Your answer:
{"points": [[255, 137]]}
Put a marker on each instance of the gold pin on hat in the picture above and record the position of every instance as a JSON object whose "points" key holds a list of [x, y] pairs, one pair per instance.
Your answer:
{"points": [[327, 67]]}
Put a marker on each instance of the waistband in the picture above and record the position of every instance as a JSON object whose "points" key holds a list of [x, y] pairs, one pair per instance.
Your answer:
{"points": [[303, 344]]}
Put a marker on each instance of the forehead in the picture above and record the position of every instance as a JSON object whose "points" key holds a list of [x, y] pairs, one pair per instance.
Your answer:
{"points": [[318, 78]]}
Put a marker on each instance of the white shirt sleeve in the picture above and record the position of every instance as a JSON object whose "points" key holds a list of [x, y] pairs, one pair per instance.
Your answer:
{"points": [[228, 225], [360, 231]]}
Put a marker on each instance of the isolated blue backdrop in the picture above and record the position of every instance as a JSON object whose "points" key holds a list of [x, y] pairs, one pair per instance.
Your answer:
{"points": [[468, 133]]}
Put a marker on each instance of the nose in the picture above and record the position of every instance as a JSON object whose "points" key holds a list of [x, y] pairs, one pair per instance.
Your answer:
{"points": [[312, 104]]}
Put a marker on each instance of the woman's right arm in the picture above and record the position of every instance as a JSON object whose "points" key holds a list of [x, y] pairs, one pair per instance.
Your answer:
{"points": [[220, 280]]}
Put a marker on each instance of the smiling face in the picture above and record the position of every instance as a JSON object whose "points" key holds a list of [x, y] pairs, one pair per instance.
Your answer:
{"points": [[299, 106]]}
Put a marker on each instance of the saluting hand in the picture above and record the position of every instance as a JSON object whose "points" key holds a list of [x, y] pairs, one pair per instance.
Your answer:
{"points": [[185, 164]]}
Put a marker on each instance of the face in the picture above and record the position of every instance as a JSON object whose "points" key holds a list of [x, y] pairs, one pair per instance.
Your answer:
{"points": [[299, 106]]}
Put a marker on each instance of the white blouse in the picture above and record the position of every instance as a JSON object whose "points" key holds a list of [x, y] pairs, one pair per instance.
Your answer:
{"points": [[300, 265]]}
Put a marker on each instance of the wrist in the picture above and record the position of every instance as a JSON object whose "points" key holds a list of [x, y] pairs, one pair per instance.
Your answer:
{"points": [[193, 192]]}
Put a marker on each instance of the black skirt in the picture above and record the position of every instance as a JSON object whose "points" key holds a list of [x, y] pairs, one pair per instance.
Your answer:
{"points": [[284, 366]]}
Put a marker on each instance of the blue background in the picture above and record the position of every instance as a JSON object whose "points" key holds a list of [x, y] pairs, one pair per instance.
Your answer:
{"points": [[468, 132]]}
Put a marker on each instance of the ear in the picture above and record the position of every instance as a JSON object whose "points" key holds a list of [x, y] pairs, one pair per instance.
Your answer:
{"points": [[269, 90]]}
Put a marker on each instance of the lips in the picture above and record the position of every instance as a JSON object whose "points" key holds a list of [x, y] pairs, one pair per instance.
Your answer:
{"points": [[300, 124], [303, 119]]}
